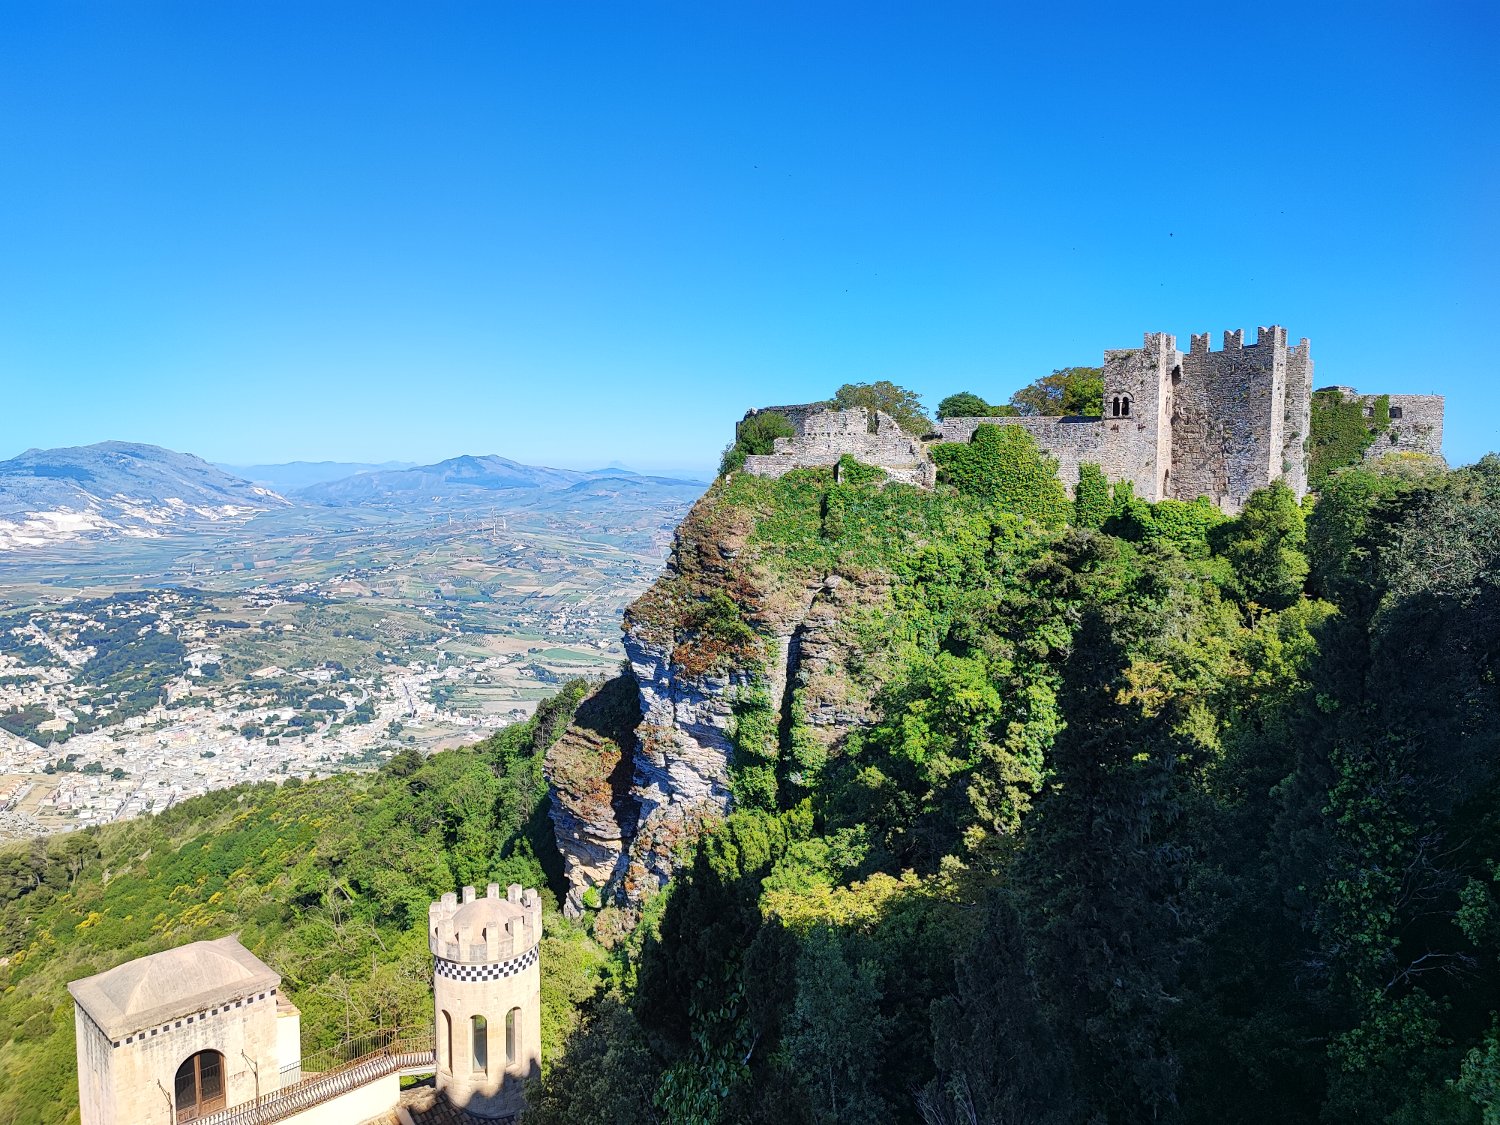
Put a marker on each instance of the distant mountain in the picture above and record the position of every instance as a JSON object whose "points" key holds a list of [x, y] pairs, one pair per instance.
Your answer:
{"points": [[483, 480], [292, 475], [117, 489]]}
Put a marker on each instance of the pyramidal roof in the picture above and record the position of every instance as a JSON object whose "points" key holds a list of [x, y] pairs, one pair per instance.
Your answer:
{"points": [[176, 982]]}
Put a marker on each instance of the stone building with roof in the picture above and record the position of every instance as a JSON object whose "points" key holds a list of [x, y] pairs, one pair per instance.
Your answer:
{"points": [[203, 1033]]}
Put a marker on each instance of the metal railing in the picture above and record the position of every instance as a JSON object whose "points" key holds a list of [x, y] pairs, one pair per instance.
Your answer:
{"points": [[340, 1069]]}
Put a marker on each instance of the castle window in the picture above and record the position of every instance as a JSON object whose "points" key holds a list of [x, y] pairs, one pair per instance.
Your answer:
{"points": [[1115, 407], [1124, 406], [512, 1035], [1395, 412], [448, 1042], [199, 1086], [481, 1045]]}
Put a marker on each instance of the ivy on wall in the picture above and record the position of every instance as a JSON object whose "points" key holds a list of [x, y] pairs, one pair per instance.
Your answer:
{"points": [[1341, 432]]}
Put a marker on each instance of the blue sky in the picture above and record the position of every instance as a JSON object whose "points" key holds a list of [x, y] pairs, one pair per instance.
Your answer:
{"points": [[579, 233]]}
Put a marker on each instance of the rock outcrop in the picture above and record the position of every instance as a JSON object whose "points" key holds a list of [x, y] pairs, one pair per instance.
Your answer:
{"points": [[720, 622]]}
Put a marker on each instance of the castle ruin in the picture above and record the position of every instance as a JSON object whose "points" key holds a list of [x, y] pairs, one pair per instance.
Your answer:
{"points": [[1176, 425]]}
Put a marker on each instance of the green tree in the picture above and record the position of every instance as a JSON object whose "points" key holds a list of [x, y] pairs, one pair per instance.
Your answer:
{"points": [[608, 1074], [1090, 497], [998, 1058], [901, 404], [1067, 391], [833, 1037], [1267, 547], [755, 435], [968, 405]]}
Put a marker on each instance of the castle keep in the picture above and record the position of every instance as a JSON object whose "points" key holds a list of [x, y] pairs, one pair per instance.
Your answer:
{"points": [[1176, 425]]}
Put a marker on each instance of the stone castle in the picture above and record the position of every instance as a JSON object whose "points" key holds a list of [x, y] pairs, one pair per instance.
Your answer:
{"points": [[204, 1033], [1176, 425]]}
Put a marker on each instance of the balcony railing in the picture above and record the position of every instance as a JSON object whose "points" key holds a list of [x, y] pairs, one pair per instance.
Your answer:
{"points": [[339, 1069]]}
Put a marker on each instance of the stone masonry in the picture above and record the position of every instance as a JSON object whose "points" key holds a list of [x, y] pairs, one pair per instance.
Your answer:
{"points": [[1218, 424], [1416, 424], [825, 436]]}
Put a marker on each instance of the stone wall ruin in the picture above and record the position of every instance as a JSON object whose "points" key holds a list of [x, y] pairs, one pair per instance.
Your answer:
{"points": [[1218, 424]]}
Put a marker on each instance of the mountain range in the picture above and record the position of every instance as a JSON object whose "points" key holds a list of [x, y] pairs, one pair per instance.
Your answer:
{"points": [[478, 479], [118, 488], [292, 475], [122, 489]]}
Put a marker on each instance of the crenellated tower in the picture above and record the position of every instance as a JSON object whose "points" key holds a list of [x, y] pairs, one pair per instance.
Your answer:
{"points": [[486, 987], [1240, 417]]}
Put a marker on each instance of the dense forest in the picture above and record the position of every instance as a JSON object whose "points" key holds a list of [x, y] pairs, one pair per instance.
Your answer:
{"points": [[1164, 817]]}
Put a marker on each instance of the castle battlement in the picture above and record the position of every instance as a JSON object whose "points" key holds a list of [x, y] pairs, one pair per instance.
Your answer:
{"points": [[1200, 343], [1216, 424], [480, 931]]}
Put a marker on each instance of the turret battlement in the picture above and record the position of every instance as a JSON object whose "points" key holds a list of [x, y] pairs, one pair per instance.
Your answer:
{"points": [[1234, 339], [486, 930]]}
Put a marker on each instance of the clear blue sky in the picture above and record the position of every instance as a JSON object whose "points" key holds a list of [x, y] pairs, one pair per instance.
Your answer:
{"points": [[574, 233]]}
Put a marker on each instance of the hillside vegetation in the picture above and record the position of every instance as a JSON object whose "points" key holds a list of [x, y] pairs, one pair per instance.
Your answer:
{"points": [[328, 882], [1153, 816], [1159, 816]]}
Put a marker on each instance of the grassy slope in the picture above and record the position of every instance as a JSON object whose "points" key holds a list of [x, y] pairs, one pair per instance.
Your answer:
{"points": [[328, 882]]}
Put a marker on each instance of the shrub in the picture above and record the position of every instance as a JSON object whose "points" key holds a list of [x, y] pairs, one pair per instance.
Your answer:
{"points": [[1091, 497], [1002, 464], [968, 405], [755, 435]]}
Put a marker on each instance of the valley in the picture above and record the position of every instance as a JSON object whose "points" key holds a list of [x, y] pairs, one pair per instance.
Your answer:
{"points": [[309, 638]]}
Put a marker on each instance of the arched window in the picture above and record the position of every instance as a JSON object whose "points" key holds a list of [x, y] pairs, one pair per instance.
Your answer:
{"points": [[1115, 407], [481, 1045], [199, 1086], [512, 1035], [1124, 406], [448, 1042]]}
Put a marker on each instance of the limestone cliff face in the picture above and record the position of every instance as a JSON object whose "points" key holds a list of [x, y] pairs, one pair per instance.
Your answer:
{"points": [[719, 622]]}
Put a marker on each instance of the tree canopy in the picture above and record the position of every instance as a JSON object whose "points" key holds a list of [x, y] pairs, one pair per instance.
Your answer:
{"points": [[901, 404], [1067, 391], [966, 404]]}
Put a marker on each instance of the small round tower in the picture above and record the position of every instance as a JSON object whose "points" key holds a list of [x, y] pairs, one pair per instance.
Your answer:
{"points": [[487, 994]]}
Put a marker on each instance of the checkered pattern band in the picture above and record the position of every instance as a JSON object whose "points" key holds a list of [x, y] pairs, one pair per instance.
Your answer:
{"points": [[453, 970]]}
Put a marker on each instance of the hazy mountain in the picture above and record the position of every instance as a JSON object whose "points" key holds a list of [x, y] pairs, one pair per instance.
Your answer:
{"points": [[485, 480], [117, 488], [292, 475]]}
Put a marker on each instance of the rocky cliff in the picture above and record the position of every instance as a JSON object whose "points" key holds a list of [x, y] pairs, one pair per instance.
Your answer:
{"points": [[739, 659]]}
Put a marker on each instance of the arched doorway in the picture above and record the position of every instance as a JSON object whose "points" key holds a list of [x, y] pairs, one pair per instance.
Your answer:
{"points": [[199, 1086]]}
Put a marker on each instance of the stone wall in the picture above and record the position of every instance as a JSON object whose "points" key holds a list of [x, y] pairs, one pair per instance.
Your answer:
{"points": [[1229, 418], [1138, 398], [1071, 440], [825, 436], [1416, 425], [1205, 423], [1297, 416], [130, 1082]]}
